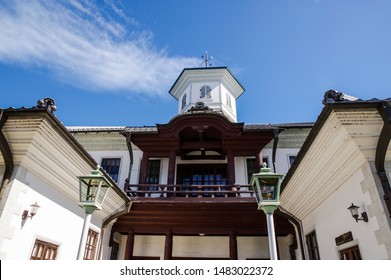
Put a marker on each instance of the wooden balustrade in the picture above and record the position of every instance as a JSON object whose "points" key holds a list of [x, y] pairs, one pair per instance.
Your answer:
{"points": [[157, 190]]}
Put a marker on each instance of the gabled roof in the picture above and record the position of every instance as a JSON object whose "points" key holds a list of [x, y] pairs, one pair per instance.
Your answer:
{"points": [[337, 101]]}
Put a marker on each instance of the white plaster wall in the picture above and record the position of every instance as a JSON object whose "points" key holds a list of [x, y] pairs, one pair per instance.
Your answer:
{"points": [[250, 247], [282, 159], [240, 171], [201, 246], [59, 220], [257, 247], [195, 94], [135, 174], [149, 246], [332, 218], [204, 247]]}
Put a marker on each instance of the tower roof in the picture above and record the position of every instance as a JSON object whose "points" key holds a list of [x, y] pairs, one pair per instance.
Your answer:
{"points": [[200, 74]]}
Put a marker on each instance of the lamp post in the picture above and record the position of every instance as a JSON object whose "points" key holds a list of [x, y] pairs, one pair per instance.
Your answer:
{"points": [[266, 186], [93, 189]]}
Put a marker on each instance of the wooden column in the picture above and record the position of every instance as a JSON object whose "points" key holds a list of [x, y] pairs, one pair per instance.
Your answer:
{"points": [[233, 246], [129, 246], [231, 168], [144, 168], [168, 246], [171, 168], [171, 172]]}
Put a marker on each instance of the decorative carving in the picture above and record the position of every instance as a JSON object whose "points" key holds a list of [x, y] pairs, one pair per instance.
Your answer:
{"points": [[199, 106], [332, 96], [47, 103]]}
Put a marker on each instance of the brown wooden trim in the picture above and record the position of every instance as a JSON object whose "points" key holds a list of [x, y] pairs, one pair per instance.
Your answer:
{"points": [[129, 246], [230, 168], [233, 246], [171, 168], [144, 258], [168, 246], [144, 168]]}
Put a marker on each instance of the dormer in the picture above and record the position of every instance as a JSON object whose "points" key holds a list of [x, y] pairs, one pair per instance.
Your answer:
{"points": [[215, 87]]}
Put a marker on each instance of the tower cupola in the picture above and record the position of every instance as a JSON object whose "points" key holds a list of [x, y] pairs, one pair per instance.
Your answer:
{"points": [[213, 87]]}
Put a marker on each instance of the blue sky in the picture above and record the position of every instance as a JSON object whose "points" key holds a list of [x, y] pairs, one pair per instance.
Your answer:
{"points": [[111, 63]]}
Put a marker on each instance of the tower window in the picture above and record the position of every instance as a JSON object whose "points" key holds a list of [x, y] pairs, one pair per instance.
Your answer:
{"points": [[205, 92], [184, 101], [229, 100]]}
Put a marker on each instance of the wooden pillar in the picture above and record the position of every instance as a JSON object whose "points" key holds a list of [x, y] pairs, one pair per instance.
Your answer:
{"points": [[171, 173], [129, 246], [144, 168], [231, 168], [171, 168], [233, 246], [168, 246]]}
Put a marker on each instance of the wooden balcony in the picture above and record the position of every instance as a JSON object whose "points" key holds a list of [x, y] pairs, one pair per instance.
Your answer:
{"points": [[182, 192]]}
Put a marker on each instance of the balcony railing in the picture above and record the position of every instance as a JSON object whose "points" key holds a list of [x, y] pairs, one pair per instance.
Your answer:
{"points": [[157, 190]]}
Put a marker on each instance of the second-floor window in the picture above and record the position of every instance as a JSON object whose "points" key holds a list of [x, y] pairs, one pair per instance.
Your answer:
{"points": [[153, 171], [252, 167], [111, 166], [291, 159]]}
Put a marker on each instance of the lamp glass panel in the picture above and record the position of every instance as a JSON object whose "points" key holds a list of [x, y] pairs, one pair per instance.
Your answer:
{"points": [[88, 189], [34, 208], [268, 188], [354, 210]]}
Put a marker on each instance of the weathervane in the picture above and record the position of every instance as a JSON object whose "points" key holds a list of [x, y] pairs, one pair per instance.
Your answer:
{"points": [[207, 58]]}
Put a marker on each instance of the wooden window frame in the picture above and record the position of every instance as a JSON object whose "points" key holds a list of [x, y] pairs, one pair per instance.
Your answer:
{"points": [[312, 246], [91, 245], [44, 251], [351, 253]]}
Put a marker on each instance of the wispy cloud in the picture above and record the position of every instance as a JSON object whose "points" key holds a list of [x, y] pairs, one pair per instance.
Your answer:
{"points": [[86, 46]]}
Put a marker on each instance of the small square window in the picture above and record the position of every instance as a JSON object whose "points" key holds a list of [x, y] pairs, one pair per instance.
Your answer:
{"points": [[291, 159], [111, 166]]}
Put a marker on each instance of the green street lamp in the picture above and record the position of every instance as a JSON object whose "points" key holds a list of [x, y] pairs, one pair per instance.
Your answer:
{"points": [[93, 190], [266, 186]]}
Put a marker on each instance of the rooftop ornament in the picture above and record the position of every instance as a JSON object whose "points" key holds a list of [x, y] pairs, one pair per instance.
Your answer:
{"points": [[47, 103]]}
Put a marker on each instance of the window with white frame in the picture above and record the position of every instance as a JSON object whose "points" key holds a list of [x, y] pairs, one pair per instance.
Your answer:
{"points": [[291, 159], [111, 166]]}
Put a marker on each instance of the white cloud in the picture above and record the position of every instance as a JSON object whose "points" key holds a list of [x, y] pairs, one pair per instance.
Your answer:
{"points": [[85, 47]]}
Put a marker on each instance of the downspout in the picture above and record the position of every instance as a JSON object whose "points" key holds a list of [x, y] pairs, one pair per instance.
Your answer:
{"points": [[381, 150], [276, 132], [129, 144], [7, 155], [299, 227], [128, 206]]}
